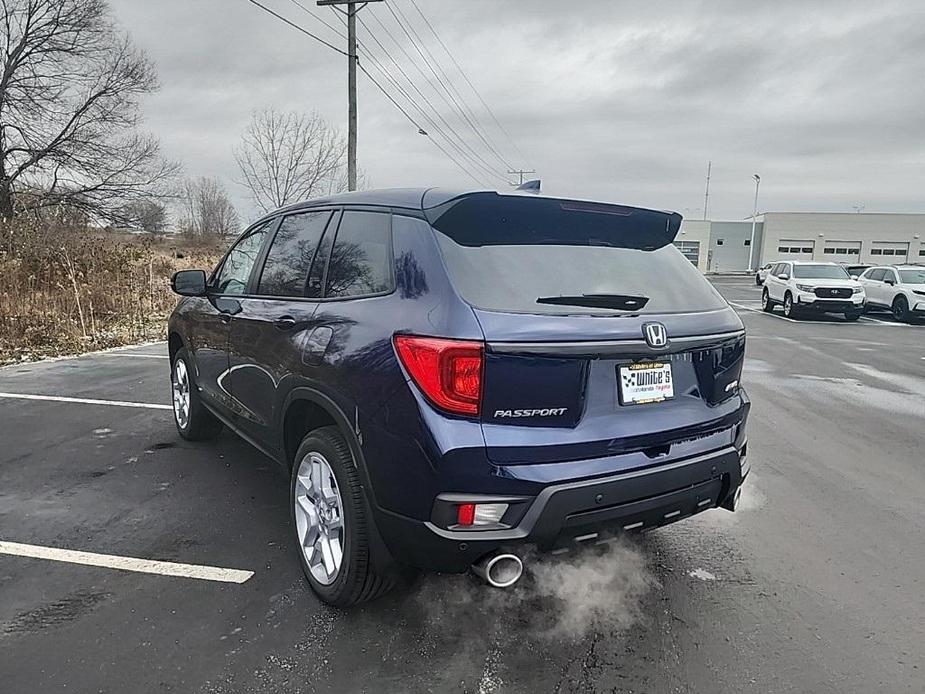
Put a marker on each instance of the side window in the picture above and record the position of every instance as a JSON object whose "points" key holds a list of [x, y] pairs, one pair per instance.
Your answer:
{"points": [[235, 271], [891, 275], [286, 269], [361, 260], [876, 275]]}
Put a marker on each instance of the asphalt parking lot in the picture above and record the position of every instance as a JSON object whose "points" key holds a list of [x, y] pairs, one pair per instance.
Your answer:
{"points": [[815, 585]]}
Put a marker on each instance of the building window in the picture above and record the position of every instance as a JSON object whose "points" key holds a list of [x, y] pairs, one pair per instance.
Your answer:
{"points": [[719, 242], [922, 252], [748, 242], [783, 249], [828, 251], [876, 251]]}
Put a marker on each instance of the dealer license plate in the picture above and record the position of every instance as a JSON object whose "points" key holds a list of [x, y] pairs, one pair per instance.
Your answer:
{"points": [[645, 382]]}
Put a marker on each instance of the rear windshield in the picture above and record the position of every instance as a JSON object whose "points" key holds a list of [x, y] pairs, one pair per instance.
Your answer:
{"points": [[529, 255], [820, 272]]}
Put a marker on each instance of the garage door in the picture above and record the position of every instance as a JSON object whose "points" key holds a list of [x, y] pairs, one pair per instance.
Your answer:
{"points": [[852, 249], [889, 252], [795, 249], [690, 249]]}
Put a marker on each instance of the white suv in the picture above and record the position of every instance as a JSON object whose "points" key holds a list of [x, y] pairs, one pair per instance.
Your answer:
{"points": [[804, 287], [896, 288]]}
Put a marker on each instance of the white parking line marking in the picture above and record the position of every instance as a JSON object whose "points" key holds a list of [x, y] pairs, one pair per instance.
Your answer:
{"points": [[761, 311], [112, 561], [108, 350], [85, 401]]}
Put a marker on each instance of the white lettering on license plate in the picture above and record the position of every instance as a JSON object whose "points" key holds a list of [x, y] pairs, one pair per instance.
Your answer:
{"points": [[645, 382]]}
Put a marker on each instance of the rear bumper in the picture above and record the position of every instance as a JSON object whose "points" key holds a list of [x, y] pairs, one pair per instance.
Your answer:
{"points": [[563, 513]]}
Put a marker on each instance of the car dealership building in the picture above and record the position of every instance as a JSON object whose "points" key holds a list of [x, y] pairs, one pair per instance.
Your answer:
{"points": [[869, 238]]}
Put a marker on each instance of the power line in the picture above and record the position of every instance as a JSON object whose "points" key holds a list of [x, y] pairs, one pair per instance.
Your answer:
{"points": [[474, 153], [469, 82], [445, 82], [366, 72], [298, 28], [420, 129], [321, 19], [432, 125]]}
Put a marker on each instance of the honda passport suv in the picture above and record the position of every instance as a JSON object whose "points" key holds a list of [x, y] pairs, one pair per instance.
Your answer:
{"points": [[449, 377]]}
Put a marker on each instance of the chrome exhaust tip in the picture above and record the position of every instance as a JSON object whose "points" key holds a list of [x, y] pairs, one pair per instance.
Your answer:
{"points": [[499, 570]]}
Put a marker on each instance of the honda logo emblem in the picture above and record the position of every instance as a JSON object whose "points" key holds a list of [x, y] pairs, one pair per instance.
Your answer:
{"points": [[656, 335]]}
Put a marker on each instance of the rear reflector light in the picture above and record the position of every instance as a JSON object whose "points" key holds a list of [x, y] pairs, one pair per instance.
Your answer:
{"points": [[479, 514], [448, 372], [465, 514]]}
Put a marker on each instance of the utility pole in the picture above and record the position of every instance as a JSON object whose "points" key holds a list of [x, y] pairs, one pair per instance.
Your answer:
{"points": [[751, 244], [706, 196], [521, 173], [352, 58]]}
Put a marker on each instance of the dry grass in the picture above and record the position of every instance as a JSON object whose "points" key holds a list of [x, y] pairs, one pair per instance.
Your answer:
{"points": [[67, 291]]}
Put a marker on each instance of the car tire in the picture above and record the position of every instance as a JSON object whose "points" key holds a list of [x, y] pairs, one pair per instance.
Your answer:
{"points": [[767, 305], [329, 516], [852, 315], [790, 310], [194, 422], [901, 309]]}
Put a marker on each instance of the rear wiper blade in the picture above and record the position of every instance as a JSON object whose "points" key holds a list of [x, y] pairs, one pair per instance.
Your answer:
{"points": [[623, 302]]}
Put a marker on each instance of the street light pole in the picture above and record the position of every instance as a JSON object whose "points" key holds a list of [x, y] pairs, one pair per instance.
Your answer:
{"points": [[751, 243], [351, 85]]}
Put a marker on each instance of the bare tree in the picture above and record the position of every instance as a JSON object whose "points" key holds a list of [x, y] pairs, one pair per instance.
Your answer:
{"points": [[287, 157], [70, 85], [145, 215], [208, 212]]}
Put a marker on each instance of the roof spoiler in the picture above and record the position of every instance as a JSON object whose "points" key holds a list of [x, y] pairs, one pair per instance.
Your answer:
{"points": [[487, 218]]}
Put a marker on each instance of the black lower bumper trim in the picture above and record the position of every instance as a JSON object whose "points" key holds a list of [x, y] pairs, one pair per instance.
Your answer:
{"points": [[639, 499]]}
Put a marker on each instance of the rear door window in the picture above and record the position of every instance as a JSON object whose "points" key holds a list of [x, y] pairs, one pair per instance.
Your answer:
{"points": [[360, 263], [286, 269], [876, 275], [541, 255]]}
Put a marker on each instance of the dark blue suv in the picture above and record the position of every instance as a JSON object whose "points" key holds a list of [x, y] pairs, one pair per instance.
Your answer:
{"points": [[449, 376]]}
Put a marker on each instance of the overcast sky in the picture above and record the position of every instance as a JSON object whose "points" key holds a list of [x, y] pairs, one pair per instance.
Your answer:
{"points": [[606, 99]]}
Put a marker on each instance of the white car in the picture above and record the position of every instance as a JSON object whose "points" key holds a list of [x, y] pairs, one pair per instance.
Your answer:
{"points": [[803, 287], [762, 273], [896, 288]]}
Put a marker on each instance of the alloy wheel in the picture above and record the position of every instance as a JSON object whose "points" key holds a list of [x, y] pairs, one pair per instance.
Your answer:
{"points": [[181, 393], [319, 517]]}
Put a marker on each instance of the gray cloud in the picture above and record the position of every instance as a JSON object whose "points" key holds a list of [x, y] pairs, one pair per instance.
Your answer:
{"points": [[608, 99]]}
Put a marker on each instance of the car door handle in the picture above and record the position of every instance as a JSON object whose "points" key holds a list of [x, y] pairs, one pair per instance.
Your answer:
{"points": [[284, 323]]}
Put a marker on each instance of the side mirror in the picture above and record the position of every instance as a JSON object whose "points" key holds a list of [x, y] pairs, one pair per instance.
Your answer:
{"points": [[189, 283], [785, 276], [890, 282]]}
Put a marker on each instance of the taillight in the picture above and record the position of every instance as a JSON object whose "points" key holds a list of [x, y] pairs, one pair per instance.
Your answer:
{"points": [[448, 372]]}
